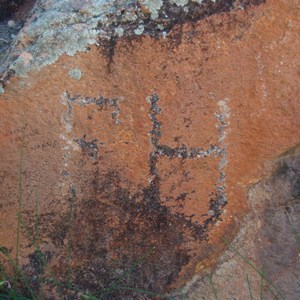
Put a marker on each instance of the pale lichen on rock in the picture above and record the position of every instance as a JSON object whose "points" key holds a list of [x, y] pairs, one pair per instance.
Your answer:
{"points": [[75, 73], [67, 27]]}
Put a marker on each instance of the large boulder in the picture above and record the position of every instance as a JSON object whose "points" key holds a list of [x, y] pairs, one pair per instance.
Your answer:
{"points": [[135, 129]]}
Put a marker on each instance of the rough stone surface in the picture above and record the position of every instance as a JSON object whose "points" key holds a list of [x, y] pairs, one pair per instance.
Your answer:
{"points": [[12, 18], [69, 26], [267, 239], [155, 146]]}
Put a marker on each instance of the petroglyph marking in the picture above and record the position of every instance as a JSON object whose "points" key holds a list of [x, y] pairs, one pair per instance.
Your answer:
{"points": [[48, 144], [90, 148], [184, 152], [21, 132], [101, 103]]}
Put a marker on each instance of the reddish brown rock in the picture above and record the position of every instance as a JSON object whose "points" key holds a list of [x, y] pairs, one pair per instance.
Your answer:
{"points": [[160, 144], [267, 240]]}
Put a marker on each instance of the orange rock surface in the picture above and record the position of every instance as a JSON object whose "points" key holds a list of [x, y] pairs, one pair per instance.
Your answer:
{"points": [[160, 145]]}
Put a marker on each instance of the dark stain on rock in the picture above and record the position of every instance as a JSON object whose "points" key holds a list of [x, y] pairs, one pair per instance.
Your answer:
{"points": [[114, 228], [10, 7], [112, 232], [37, 262], [35, 269], [89, 148], [170, 15], [290, 171], [107, 47], [277, 203], [59, 232]]}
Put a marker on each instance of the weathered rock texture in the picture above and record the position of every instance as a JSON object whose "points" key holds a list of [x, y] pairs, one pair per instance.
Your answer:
{"points": [[153, 139], [267, 239]]}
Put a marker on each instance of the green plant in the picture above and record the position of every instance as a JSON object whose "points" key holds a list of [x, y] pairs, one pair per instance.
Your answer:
{"points": [[213, 287], [249, 287], [69, 284], [117, 286], [270, 285], [19, 287], [294, 231]]}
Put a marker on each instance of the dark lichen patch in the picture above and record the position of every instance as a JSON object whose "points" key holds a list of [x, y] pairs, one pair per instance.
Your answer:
{"points": [[114, 227], [51, 226], [107, 47], [112, 232], [289, 171], [34, 271], [37, 263], [169, 16], [13, 14], [8, 8], [89, 148]]}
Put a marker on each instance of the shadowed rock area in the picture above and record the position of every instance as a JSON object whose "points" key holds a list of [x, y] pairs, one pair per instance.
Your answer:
{"points": [[268, 239]]}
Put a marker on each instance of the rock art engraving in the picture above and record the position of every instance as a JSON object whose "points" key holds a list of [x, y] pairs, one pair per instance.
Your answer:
{"points": [[184, 152], [159, 150], [23, 132], [43, 146], [89, 148], [101, 103], [147, 218]]}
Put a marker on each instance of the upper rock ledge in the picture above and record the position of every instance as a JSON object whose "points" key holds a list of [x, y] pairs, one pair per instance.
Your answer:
{"points": [[57, 27]]}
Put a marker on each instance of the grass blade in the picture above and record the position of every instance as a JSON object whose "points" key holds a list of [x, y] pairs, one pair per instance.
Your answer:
{"points": [[139, 261], [213, 287], [69, 283], [20, 195], [14, 297], [132, 267], [294, 231], [253, 267], [261, 286], [56, 284], [41, 260], [18, 273], [249, 288]]}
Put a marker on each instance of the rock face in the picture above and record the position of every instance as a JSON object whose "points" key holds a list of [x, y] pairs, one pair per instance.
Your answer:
{"points": [[267, 238], [136, 130]]}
